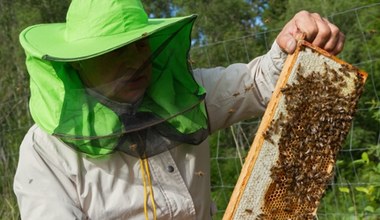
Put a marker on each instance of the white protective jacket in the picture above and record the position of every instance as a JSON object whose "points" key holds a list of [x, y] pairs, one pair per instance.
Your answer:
{"points": [[55, 182]]}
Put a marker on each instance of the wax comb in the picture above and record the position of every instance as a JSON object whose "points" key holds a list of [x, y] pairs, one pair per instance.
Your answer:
{"points": [[292, 157]]}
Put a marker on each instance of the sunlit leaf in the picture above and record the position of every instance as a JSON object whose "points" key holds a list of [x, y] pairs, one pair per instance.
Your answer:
{"points": [[344, 189]]}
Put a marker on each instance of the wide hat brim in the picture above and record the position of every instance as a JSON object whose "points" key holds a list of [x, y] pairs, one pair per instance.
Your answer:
{"points": [[47, 41]]}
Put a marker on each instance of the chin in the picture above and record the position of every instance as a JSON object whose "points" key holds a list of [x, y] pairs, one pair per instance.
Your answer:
{"points": [[130, 96]]}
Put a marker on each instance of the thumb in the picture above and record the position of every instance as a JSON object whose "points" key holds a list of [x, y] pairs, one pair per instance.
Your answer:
{"points": [[288, 42]]}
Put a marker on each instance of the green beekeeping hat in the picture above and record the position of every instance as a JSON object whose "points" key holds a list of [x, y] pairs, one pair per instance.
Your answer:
{"points": [[92, 28], [172, 107]]}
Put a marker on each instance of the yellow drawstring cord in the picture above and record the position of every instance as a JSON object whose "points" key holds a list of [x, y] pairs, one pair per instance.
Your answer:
{"points": [[145, 172], [144, 182], [151, 189]]}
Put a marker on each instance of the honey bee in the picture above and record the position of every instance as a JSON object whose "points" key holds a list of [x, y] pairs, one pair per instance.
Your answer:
{"points": [[199, 173], [191, 61], [249, 211], [342, 84], [299, 69], [246, 89], [133, 147], [267, 136], [261, 216], [334, 77]]}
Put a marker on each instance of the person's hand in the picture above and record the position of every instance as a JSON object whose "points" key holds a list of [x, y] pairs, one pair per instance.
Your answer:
{"points": [[317, 30]]}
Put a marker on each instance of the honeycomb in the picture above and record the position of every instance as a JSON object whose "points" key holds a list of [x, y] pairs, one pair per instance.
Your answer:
{"points": [[307, 120]]}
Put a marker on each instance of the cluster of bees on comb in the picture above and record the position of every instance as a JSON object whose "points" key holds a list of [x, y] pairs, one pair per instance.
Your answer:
{"points": [[309, 131]]}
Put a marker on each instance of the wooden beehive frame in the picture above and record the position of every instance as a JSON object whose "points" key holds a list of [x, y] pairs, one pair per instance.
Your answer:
{"points": [[262, 183]]}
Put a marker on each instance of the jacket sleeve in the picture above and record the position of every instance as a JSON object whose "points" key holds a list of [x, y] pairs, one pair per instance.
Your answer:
{"points": [[42, 189], [240, 91]]}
